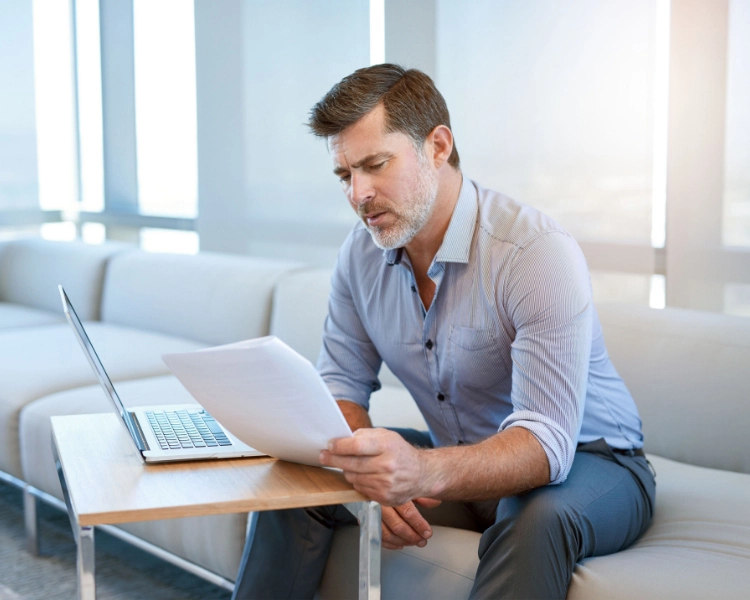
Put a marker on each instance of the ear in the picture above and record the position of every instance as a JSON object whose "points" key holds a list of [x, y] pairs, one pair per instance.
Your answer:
{"points": [[440, 144]]}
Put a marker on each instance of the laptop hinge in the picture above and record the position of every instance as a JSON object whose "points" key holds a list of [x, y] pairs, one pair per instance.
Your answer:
{"points": [[135, 429]]}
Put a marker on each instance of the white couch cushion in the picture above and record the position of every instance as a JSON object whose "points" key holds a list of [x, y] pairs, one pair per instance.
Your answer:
{"points": [[698, 546], [214, 542], [30, 270], [393, 406], [300, 307], [214, 298], [38, 361], [689, 372], [17, 315]]}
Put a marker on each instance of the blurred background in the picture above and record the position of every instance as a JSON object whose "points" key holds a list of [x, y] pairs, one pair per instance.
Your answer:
{"points": [[179, 125]]}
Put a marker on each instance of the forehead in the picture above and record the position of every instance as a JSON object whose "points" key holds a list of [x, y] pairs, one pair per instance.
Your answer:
{"points": [[366, 137]]}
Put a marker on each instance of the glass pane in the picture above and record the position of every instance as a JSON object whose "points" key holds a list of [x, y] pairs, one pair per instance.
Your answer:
{"points": [[15, 233], [631, 288], [93, 233], [18, 171], [287, 69], [59, 232], [165, 107], [169, 240], [554, 103], [737, 299], [737, 140], [89, 75], [55, 106]]}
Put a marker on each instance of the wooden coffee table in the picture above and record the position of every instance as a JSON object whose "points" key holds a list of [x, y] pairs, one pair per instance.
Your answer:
{"points": [[105, 482]]}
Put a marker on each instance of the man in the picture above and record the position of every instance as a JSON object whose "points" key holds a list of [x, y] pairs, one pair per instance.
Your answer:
{"points": [[482, 307]]}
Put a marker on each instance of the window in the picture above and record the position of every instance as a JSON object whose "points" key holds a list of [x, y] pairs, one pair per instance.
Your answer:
{"points": [[736, 230], [165, 101]]}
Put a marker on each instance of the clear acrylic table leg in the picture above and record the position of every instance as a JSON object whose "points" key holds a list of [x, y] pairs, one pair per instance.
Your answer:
{"points": [[370, 536], [84, 536], [31, 521]]}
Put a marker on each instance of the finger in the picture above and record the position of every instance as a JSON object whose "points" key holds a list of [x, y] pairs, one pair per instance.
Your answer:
{"points": [[396, 542], [364, 442], [391, 540], [414, 519], [400, 527], [354, 464], [427, 502]]}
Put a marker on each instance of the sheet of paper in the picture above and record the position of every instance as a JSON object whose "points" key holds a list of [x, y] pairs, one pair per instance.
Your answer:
{"points": [[265, 394]]}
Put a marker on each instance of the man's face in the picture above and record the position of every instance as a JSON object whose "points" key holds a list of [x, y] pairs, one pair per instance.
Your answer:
{"points": [[389, 183]]}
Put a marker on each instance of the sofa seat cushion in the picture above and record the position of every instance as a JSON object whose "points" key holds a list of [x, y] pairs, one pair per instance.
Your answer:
{"points": [[17, 315], [214, 542], [698, 546], [38, 361]]}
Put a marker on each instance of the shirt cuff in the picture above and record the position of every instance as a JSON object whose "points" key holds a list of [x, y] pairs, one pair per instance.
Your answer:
{"points": [[557, 444], [344, 389]]}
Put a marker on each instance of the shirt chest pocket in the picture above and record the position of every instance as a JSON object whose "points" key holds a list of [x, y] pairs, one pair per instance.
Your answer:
{"points": [[478, 358]]}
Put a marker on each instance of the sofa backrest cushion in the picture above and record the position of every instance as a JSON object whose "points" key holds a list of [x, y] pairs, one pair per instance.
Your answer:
{"points": [[30, 270], [300, 307], [689, 373], [210, 298]]}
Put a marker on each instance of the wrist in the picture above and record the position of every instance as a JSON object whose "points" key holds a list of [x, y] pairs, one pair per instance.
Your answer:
{"points": [[432, 475]]}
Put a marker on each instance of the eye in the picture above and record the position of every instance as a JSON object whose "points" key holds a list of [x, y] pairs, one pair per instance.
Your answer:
{"points": [[378, 166], [345, 178]]}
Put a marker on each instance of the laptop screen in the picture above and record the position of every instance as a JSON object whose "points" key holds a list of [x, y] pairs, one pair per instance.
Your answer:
{"points": [[93, 357]]}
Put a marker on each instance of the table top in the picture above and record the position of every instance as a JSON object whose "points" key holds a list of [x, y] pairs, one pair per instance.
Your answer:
{"points": [[108, 483]]}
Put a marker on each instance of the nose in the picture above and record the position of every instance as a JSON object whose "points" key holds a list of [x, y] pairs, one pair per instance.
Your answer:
{"points": [[360, 189]]}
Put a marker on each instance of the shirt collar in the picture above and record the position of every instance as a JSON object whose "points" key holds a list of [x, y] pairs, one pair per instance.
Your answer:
{"points": [[457, 241]]}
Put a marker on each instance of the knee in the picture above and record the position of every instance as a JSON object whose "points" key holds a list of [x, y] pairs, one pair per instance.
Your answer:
{"points": [[530, 521]]}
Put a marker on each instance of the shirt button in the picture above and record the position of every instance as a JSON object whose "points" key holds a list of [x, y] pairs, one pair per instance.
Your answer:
{"points": [[414, 288], [428, 344], [441, 397]]}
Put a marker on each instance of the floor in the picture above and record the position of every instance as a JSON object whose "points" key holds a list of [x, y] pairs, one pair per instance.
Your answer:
{"points": [[122, 571]]}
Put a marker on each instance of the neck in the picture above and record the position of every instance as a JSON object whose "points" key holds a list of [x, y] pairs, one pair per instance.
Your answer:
{"points": [[423, 248]]}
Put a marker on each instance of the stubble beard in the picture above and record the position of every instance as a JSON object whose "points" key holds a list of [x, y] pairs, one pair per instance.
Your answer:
{"points": [[412, 217]]}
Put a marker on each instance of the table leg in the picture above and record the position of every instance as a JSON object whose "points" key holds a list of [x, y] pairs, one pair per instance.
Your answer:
{"points": [[85, 562], [84, 536], [31, 521], [370, 535]]}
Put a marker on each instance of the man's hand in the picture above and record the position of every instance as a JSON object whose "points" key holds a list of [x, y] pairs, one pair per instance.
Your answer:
{"points": [[405, 526], [380, 464]]}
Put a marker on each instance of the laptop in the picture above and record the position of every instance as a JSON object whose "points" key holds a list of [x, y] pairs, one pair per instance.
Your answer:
{"points": [[169, 433]]}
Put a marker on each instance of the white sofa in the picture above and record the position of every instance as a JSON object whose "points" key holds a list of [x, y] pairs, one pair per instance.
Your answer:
{"points": [[688, 371]]}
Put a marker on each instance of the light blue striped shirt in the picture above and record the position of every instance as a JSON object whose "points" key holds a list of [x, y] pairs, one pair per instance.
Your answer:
{"points": [[511, 338]]}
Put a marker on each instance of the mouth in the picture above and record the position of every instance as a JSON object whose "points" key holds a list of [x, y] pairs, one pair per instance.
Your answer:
{"points": [[374, 219]]}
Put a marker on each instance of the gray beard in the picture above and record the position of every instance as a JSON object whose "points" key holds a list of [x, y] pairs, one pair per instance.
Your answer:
{"points": [[412, 218]]}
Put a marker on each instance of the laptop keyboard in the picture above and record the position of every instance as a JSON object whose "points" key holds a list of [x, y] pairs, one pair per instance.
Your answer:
{"points": [[178, 429]]}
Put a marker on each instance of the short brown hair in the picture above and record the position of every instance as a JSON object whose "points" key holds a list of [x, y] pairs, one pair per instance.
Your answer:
{"points": [[413, 105]]}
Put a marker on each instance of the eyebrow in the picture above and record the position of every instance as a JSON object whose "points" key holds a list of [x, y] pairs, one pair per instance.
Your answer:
{"points": [[370, 158]]}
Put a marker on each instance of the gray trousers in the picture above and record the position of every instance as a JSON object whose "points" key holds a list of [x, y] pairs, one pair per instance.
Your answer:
{"points": [[530, 543]]}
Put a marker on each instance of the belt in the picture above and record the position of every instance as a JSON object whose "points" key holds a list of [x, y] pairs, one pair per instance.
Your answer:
{"points": [[633, 452]]}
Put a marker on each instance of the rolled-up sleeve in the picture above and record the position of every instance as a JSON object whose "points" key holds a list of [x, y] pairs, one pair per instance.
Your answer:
{"points": [[547, 295], [348, 361]]}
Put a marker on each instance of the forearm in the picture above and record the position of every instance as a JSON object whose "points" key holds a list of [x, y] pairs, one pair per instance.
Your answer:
{"points": [[508, 463], [355, 415]]}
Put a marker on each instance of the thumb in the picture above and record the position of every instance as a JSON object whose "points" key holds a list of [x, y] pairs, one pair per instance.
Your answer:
{"points": [[427, 502]]}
